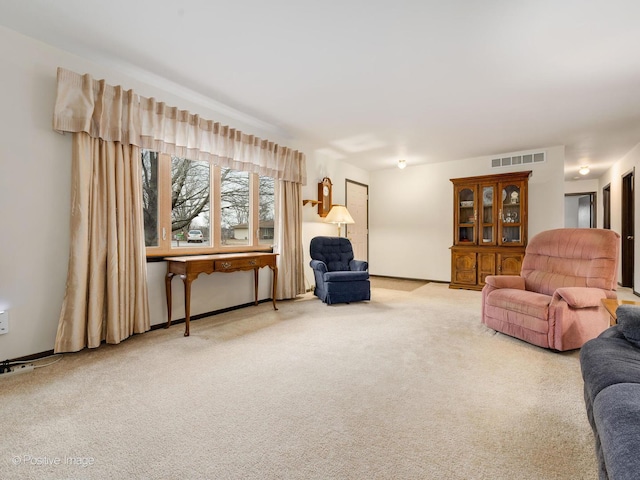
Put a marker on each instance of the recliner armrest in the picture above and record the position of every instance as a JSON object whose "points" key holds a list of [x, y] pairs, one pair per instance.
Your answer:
{"points": [[505, 281], [318, 265], [580, 297], [358, 265]]}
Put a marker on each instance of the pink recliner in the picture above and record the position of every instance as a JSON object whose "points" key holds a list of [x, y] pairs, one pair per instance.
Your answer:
{"points": [[556, 302]]}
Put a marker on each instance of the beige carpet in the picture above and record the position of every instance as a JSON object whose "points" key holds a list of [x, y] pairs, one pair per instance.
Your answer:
{"points": [[406, 285], [407, 386]]}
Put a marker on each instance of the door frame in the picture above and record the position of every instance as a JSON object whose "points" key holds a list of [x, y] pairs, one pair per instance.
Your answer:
{"points": [[627, 229], [346, 202], [606, 206]]}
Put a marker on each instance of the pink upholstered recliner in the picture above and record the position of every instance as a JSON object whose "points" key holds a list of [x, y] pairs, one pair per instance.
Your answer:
{"points": [[556, 301]]}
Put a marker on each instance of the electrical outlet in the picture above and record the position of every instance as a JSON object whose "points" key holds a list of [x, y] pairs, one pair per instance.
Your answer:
{"points": [[28, 367], [4, 321]]}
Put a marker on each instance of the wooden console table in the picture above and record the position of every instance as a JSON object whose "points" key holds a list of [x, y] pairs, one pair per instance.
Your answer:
{"points": [[188, 268]]}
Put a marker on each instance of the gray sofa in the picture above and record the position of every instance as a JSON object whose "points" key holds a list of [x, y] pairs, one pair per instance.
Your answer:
{"points": [[610, 367]]}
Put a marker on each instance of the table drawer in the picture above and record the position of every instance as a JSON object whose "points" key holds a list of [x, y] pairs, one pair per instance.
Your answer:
{"points": [[236, 264]]}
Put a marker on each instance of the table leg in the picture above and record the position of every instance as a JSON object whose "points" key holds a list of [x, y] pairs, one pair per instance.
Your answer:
{"points": [[255, 285], [167, 285], [187, 302], [274, 269]]}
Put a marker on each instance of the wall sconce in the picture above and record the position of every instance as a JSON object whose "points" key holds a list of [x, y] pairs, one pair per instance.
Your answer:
{"points": [[584, 170], [340, 216], [402, 164]]}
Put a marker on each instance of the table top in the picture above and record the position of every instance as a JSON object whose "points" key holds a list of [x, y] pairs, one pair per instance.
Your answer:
{"points": [[218, 256], [611, 304]]}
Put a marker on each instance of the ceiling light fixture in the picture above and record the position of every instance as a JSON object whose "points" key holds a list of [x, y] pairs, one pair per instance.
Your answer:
{"points": [[584, 170], [402, 164]]}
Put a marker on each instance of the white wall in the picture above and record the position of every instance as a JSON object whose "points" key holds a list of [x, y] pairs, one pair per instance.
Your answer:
{"points": [[35, 173], [581, 186], [318, 167], [613, 176], [411, 212]]}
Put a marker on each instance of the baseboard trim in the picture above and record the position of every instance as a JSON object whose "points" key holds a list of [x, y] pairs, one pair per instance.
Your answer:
{"points": [[209, 314], [408, 278], [48, 353]]}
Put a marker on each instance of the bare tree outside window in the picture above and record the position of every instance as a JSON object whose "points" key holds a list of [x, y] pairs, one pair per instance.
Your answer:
{"points": [[266, 211], [189, 197], [235, 207], [150, 197], [190, 185]]}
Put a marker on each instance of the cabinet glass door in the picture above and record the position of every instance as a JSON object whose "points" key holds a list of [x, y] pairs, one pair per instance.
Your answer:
{"points": [[466, 215], [511, 214], [487, 215]]}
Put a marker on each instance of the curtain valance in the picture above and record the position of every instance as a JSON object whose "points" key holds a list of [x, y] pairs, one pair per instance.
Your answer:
{"points": [[112, 113]]}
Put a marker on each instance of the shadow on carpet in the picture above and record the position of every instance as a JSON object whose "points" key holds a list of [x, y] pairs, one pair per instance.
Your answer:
{"points": [[401, 284]]}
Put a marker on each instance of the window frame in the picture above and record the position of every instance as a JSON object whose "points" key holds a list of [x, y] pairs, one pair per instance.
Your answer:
{"points": [[164, 237]]}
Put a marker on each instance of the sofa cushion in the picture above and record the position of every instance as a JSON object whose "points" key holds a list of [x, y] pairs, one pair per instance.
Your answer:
{"points": [[520, 301], [347, 276], [608, 360], [616, 413], [628, 317], [335, 252], [571, 257]]}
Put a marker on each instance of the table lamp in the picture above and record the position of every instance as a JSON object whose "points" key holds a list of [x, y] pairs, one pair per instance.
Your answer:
{"points": [[340, 216]]}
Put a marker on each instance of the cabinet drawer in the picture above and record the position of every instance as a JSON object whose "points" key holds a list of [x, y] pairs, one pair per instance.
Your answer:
{"points": [[236, 264]]}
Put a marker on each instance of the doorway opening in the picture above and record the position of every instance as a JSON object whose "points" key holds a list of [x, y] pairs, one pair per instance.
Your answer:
{"points": [[627, 231], [580, 210], [606, 207]]}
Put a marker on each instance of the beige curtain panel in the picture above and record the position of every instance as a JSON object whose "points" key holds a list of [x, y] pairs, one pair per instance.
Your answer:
{"points": [[289, 241], [114, 114], [106, 294]]}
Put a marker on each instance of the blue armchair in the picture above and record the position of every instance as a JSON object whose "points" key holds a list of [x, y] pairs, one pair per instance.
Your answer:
{"points": [[339, 278]]}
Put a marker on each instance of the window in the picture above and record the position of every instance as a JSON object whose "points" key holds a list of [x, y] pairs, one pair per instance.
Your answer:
{"points": [[234, 207], [267, 211], [192, 206]]}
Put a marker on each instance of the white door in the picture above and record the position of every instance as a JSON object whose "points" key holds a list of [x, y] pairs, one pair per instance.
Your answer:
{"points": [[358, 205]]}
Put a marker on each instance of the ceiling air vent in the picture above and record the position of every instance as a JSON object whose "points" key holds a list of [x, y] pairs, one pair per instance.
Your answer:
{"points": [[518, 160]]}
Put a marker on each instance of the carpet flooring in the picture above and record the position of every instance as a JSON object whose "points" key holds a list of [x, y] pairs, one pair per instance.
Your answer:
{"points": [[407, 386], [405, 285]]}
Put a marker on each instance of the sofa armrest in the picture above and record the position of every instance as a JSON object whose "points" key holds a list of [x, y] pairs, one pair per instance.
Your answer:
{"points": [[318, 266], [505, 281], [580, 297], [358, 265]]}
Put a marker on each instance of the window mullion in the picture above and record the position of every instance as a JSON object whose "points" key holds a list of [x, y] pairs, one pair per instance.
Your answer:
{"points": [[216, 212], [164, 200], [254, 202]]}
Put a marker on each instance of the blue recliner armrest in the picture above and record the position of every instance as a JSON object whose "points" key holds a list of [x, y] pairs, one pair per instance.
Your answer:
{"points": [[358, 265], [318, 265]]}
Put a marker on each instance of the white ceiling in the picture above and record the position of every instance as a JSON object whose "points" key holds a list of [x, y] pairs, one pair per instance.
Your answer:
{"points": [[373, 81]]}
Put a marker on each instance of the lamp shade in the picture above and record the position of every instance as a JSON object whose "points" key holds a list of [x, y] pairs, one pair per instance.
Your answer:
{"points": [[339, 214]]}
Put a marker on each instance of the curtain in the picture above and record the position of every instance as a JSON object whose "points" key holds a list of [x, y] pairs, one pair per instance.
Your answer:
{"points": [[289, 241], [106, 295], [106, 292], [114, 114]]}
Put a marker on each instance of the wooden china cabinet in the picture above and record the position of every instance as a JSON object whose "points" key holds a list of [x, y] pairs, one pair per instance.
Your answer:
{"points": [[489, 227]]}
